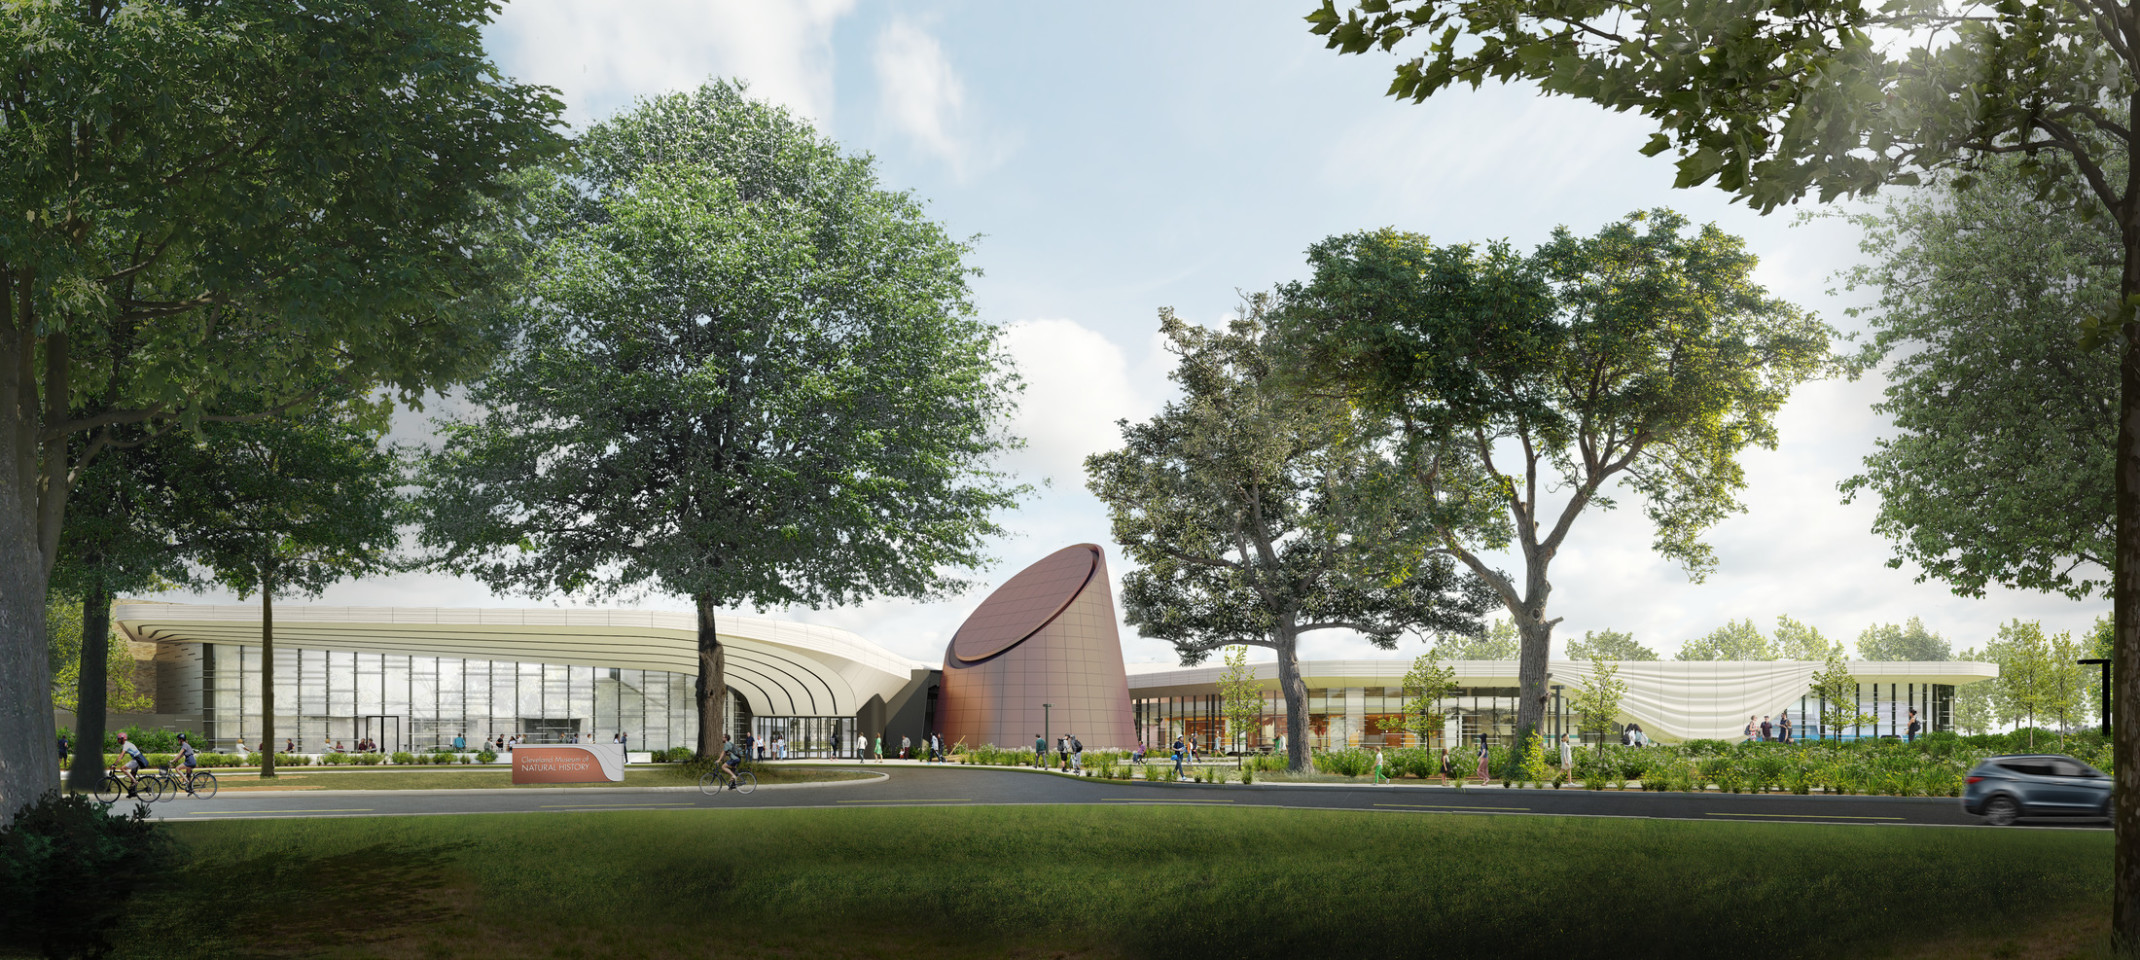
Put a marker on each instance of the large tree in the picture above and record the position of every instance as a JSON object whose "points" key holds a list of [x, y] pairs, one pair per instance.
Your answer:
{"points": [[1735, 640], [285, 508], [203, 201], [1257, 513], [117, 540], [1998, 408], [1904, 641], [1608, 645], [1641, 359], [750, 375], [1775, 99]]}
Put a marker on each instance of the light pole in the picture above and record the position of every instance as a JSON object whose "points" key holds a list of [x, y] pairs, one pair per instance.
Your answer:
{"points": [[1047, 733], [2105, 664]]}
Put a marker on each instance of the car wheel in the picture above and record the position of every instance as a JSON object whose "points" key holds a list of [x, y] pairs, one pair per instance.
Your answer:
{"points": [[2001, 811]]}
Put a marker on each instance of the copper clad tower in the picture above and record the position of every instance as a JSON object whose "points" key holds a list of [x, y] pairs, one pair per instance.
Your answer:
{"points": [[1047, 635]]}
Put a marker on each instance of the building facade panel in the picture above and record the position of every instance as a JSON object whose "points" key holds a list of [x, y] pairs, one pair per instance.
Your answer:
{"points": [[1064, 674]]}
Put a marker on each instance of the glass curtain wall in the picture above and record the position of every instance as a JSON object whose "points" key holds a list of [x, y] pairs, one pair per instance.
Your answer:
{"points": [[1338, 717], [1373, 717], [1889, 706], [325, 698]]}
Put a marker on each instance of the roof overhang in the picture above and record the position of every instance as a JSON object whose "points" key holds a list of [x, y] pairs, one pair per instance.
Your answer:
{"points": [[780, 667]]}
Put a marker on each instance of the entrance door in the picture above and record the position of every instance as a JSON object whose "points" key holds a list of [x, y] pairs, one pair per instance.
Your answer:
{"points": [[384, 729]]}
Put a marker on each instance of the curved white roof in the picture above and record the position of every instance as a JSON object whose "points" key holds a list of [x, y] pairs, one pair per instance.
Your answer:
{"points": [[1671, 699], [780, 667]]}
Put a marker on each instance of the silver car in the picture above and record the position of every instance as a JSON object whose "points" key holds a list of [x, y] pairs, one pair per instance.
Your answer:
{"points": [[2005, 789]]}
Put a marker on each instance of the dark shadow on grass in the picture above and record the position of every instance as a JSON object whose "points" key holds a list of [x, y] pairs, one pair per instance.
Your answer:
{"points": [[284, 905]]}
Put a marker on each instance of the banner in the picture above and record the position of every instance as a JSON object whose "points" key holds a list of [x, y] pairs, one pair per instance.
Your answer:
{"points": [[569, 763]]}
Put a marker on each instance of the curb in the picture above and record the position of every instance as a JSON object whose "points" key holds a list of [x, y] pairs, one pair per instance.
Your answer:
{"points": [[576, 791]]}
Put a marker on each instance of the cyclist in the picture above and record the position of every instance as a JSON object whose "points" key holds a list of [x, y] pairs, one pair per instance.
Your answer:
{"points": [[187, 759], [132, 762], [731, 757]]}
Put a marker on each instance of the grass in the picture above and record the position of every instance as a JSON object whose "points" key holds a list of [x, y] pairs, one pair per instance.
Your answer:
{"points": [[1105, 882], [458, 778]]}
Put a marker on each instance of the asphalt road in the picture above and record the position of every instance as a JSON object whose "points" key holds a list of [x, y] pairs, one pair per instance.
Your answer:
{"points": [[912, 785]]}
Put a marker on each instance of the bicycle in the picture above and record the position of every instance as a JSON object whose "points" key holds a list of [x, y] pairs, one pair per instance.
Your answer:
{"points": [[200, 784], [114, 785], [712, 782]]}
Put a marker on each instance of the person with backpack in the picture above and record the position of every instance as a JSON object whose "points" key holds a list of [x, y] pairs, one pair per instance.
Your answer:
{"points": [[1077, 755], [1178, 752]]}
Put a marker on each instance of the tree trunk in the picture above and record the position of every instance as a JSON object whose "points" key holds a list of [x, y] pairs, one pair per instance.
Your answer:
{"points": [[1299, 758], [1537, 640], [267, 674], [2125, 595], [90, 703], [712, 681], [29, 754]]}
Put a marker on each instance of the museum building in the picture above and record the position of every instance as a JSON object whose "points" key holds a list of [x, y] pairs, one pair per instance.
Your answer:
{"points": [[1039, 656]]}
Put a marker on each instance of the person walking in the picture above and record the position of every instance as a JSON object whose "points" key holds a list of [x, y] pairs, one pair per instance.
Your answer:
{"points": [[905, 744], [1783, 727], [1914, 725], [1768, 730], [861, 747], [1040, 751], [1380, 777], [1178, 753], [1567, 755], [1445, 765], [1483, 753], [1077, 755], [63, 750], [1749, 729]]}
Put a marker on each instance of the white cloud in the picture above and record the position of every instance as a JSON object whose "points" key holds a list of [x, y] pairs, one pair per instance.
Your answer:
{"points": [[603, 55], [1077, 384], [923, 97]]}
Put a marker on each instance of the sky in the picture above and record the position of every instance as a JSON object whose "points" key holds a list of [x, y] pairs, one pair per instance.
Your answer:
{"points": [[1109, 160]]}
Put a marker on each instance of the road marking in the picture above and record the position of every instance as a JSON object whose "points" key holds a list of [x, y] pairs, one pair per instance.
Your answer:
{"points": [[1803, 816], [915, 800], [218, 813], [1167, 799], [1448, 806], [620, 803]]}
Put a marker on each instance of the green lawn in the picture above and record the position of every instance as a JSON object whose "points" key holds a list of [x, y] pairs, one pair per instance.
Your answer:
{"points": [[1133, 881], [462, 778]]}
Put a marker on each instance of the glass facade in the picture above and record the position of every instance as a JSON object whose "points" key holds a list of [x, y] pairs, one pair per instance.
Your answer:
{"points": [[1368, 717], [1373, 717], [1889, 704], [417, 703]]}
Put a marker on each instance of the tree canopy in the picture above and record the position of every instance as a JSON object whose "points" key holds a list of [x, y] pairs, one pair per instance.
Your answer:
{"points": [[1610, 645], [1998, 409], [1906, 641], [1735, 640], [207, 204], [1498, 643], [1640, 359], [288, 507], [1256, 513], [1777, 99], [749, 374]]}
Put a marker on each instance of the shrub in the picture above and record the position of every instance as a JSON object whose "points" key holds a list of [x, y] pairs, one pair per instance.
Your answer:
{"points": [[1345, 763], [67, 870], [487, 756], [335, 759], [403, 756]]}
